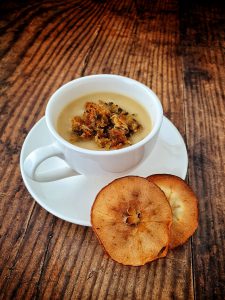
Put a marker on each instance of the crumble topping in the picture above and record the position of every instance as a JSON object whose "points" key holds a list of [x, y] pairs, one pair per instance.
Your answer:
{"points": [[107, 124]]}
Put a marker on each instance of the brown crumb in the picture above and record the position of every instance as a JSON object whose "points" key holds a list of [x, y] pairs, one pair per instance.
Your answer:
{"points": [[107, 124]]}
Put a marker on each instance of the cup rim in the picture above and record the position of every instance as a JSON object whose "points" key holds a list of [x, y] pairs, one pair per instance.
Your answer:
{"points": [[152, 133]]}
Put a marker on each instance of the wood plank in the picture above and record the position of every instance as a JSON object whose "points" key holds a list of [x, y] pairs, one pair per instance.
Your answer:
{"points": [[76, 273], [33, 68], [116, 50], [205, 111]]}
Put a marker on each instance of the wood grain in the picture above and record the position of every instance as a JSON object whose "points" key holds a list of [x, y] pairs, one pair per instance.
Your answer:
{"points": [[204, 103], [177, 49]]}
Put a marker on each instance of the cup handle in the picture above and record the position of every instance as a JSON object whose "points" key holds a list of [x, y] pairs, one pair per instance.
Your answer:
{"points": [[36, 157]]}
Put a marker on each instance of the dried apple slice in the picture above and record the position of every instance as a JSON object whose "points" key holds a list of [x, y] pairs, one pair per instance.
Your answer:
{"points": [[131, 218], [183, 203]]}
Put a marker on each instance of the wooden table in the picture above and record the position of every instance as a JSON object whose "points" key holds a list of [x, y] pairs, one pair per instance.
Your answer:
{"points": [[174, 47]]}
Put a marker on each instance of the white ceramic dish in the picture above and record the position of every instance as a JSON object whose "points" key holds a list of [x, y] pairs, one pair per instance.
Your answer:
{"points": [[71, 198], [91, 162]]}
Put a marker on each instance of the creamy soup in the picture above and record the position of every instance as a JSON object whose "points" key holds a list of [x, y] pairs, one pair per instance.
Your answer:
{"points": [[76, 108]]}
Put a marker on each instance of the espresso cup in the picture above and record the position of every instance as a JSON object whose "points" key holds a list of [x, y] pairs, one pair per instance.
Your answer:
{"points": [[94, 162]]}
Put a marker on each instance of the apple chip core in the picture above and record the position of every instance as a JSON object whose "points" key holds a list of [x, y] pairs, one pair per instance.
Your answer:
{"points": [[131, 218]]}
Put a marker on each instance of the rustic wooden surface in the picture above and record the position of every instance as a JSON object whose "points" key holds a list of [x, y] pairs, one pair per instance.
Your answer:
{"points": [[177, 49]]}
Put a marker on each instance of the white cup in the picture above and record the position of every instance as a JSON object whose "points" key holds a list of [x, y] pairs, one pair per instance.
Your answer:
{"points": [[92, 162]]}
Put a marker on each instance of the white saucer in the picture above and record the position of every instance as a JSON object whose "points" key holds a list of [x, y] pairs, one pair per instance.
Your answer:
{"points": [[71, 199]]}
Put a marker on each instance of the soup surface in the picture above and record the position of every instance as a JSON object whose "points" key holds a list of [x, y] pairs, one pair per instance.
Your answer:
{"points": [[77, 107]]}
